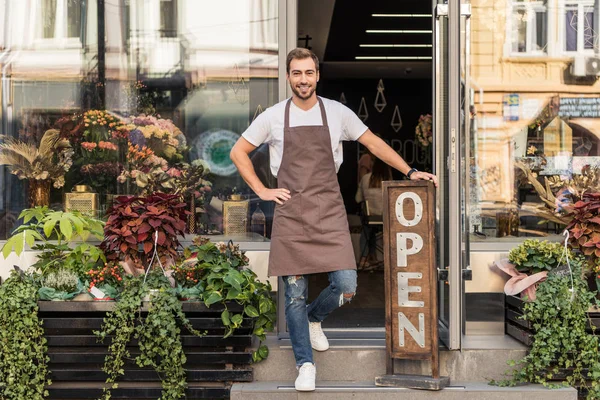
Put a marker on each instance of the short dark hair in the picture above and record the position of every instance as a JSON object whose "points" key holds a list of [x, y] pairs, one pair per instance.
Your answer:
{"points": [[300, 53]]}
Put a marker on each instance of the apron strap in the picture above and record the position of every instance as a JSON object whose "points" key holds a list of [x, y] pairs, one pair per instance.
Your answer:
{"points": [[323, 114], [286, 123]]}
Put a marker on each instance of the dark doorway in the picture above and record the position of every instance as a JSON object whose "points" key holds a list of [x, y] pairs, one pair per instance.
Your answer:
{"points": [[376, 58]]}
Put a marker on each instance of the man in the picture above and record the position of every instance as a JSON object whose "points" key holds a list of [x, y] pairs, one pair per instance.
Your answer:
{"points": [[310, 227]]}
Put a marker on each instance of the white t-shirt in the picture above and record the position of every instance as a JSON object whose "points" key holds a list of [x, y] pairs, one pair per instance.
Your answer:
{"points": [[268, 128]]}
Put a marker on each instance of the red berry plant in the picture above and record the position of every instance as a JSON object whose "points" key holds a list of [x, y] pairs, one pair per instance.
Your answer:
{"points": [[133, 222], [108, 278]]}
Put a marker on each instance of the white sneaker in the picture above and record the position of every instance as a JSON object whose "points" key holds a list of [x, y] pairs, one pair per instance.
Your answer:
{"points": [[305, 382], [318, 340]]}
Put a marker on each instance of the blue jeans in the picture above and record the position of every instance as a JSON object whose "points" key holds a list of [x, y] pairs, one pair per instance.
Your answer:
{"points": [[341, 289]]}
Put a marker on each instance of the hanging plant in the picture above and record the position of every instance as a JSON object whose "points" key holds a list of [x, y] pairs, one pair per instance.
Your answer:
{"points": [[120, 323], [158, 335], [559, 317], [159, 339], [24, 361]]}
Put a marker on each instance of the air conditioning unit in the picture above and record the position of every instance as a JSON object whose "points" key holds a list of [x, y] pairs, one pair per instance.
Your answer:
{"points": [[585, 66]]}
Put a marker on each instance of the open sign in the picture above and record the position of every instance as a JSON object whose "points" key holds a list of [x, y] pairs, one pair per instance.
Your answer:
{"points": [[410, 272]]}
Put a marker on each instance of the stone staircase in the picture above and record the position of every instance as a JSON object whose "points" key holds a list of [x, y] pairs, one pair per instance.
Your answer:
{"points": [[348, 370]]}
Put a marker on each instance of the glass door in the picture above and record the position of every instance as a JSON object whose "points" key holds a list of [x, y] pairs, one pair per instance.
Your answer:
{"points": [[451, 121]]}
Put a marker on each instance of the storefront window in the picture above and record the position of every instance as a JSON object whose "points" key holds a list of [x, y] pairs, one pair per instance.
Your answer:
{"points": [[157, 106], [536, 130]]}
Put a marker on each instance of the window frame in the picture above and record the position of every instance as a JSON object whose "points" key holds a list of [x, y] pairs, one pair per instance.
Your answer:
{"points": [[166, 33], [533, 7], [61, 29], [581, 7]]}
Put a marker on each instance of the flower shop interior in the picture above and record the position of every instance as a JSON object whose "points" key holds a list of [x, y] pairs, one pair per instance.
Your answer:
{"points": [[117, 119]]}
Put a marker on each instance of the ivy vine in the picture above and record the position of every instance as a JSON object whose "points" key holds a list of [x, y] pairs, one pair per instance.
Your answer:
{"points": [[559, 317], [24, 360], [158, 334], [120, 323]]}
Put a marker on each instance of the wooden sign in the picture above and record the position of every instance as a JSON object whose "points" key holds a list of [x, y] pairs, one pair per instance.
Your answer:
{"points": [[410, 281]]}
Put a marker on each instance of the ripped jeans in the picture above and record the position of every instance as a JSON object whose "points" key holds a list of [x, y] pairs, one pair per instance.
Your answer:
{"points": [[341, 289]]}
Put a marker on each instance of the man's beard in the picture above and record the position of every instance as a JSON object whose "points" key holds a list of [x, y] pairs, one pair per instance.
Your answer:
{"points": [[300, 95]]}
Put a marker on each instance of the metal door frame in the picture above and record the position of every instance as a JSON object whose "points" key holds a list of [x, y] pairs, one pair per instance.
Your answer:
{"points": [[450, 162]]}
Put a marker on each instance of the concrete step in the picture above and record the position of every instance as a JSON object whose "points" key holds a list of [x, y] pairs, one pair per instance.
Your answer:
{"points": [[284, 390], [362, 363]]}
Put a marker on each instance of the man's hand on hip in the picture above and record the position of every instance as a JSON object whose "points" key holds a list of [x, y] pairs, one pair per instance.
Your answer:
{"points": [[279, 196]]}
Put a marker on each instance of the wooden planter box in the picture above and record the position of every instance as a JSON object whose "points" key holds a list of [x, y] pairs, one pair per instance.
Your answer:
{"points": [[76, 357], [523, 331]]}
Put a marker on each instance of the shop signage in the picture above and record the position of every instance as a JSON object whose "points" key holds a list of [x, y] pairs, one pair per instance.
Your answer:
{"points": [[410, 281], [579, 107], [511, 107]]}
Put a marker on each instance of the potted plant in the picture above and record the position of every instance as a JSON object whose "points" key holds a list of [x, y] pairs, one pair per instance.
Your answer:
{"points": [[50, 232], [584, 231], [562, 351], [226, 280], [62, 284], [528, 265], [138, 226], [41, 166], [188, 279], [106, 282]]}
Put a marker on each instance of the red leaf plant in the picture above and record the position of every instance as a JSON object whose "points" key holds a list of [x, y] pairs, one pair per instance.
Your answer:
{"points": [[584, 229], [129, 233]]}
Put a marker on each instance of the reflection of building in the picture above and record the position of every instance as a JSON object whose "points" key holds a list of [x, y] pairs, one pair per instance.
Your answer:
{"points": [[210, 65], [525, 68]]}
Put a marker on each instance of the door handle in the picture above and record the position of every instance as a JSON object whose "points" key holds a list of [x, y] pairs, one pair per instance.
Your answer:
{"points": [[467, 274]]}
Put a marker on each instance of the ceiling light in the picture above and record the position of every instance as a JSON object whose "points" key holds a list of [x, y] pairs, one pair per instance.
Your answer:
{"points": [[392, 58], [402, 15], [397, 31], [396, 45]]}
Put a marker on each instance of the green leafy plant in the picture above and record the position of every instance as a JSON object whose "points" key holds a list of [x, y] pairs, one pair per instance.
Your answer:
{"points": [[54, 230], [158, 334], [533, 256], [24, 361], [226, 280], [132, 224], [559, 317]]}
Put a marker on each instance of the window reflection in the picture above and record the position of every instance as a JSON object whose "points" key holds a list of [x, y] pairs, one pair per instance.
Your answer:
{"points": [[536, 130], [167, 95]]}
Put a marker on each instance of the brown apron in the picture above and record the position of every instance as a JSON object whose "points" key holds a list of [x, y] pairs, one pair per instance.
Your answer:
{"points": [[310, 230]]}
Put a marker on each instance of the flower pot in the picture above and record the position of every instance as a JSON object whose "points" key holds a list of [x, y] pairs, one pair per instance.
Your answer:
{"points": [[38, 194]]}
